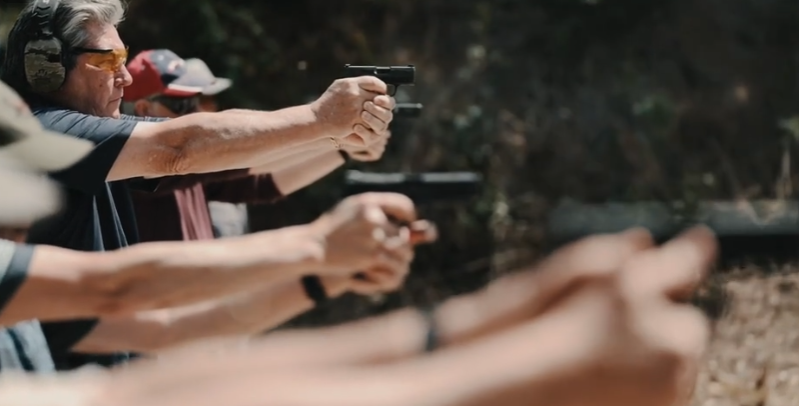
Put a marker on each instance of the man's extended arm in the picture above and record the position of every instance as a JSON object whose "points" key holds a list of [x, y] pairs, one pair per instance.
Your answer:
{"points": [[241, 315], [277, 179], [210, 142], [526, 364], [396, 336], [295, 177], [445, 379], [156, 275], [460, 319]]}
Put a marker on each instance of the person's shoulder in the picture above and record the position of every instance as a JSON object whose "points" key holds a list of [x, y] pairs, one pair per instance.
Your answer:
{"points": [[128, 117], [75, 123], [53, 115], [6, 252], [40, 111]]}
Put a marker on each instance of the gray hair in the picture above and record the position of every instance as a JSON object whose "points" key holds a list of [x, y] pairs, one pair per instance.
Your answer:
{"points": [[71, 28], [69, 25]]}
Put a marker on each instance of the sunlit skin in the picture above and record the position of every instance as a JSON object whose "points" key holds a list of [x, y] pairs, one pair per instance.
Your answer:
{"points": [[95, 90]]}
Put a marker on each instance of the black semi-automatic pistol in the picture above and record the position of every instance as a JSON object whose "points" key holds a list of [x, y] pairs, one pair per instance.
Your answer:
{"points": [[394, 76]]}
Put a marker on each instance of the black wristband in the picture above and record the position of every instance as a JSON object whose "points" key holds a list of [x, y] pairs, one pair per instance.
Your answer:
{"points": [[431, 336], [314, 289]]}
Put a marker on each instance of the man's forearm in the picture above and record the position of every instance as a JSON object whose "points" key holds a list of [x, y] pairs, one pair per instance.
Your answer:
{"points": [[293, 178], [156, 275], [212, 142], [511, 372], [246, 314], [393, 337], [289, 157]]}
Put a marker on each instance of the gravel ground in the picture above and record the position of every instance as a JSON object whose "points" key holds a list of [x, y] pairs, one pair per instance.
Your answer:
{"points": [[754, 357]]}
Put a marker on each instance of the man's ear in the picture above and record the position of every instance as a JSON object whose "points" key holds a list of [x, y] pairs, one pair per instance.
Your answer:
{"points": [[142, 108]]}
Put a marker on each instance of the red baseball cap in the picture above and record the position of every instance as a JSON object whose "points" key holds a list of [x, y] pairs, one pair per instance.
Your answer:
{"points": [[162, 72]]}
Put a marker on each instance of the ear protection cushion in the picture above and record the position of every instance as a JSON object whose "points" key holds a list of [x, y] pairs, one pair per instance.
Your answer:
{"points": [[44, 66]]}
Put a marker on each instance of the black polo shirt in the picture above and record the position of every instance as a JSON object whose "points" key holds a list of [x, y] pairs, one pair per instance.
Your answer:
{"points": [[97, 215], [22, 346]]}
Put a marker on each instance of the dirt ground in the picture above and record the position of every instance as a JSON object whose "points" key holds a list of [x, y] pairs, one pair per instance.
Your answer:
{"points": [[754, 357]]}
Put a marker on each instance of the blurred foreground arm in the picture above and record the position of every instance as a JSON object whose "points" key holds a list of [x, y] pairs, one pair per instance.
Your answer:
{"points": [[156, 275], [614, 311]]}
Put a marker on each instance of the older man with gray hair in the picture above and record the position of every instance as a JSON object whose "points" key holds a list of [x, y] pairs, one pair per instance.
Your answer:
{"points": [[68, 62]]}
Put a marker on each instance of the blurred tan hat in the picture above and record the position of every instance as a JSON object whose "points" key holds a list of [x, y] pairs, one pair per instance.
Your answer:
{"points": [[27, 152]]}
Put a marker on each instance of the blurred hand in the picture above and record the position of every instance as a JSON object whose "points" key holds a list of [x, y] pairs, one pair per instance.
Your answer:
{"points": [[370, 153], [619, 336], [356, 106], [380, 279], [526, 293], [362, 232]]}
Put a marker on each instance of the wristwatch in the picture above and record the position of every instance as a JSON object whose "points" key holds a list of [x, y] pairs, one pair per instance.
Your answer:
{"points": [[431, 341], [314, 289]]}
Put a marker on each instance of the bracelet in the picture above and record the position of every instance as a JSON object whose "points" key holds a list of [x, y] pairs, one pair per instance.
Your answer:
{"points": [[314, 289], [431, 336]]}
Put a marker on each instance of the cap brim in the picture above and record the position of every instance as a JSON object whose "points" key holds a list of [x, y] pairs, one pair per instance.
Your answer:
{"points": [[47, 151], [28, 196], [219, 86]]}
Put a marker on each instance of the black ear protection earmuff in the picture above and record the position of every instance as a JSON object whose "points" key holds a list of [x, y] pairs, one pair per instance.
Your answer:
{"points": [[44, 64]]}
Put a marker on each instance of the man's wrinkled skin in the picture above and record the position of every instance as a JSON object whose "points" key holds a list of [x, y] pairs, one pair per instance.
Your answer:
{"points": [[92, 90]]}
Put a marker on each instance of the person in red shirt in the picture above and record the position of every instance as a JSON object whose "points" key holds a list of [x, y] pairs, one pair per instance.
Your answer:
{"points": [[227, 219], [164, 87]]}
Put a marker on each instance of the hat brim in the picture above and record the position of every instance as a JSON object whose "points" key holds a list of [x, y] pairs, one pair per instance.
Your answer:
{"points": [[47, 151], [28, 196], [219, 86]]}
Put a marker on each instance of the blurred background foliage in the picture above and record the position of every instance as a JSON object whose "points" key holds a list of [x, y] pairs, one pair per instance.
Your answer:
{"points": [[591, 100]]}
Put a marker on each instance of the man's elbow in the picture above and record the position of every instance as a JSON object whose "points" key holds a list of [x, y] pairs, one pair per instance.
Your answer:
{"points": [[174, 156], [115, 294], [165, 149], [118, 300]]}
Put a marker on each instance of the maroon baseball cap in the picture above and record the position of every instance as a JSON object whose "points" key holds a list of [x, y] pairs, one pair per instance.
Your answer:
{"points": [[162, 72]]}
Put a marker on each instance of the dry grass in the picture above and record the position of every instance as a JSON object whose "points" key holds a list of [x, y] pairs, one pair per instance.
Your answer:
{"points": [[754, 357]]}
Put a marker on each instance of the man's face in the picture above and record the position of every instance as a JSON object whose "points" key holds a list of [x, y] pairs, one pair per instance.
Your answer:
{"points": [[96, 84]]}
